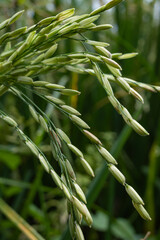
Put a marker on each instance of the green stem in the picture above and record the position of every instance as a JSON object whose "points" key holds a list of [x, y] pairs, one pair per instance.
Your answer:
{"points": [[33, 191], [30, 232], [110, 208]]}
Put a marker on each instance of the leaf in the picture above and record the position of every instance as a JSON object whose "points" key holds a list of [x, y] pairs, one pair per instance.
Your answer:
{"points": [[11, 191], [100, 221], [36, 213], [122, 229], [10, 159]]}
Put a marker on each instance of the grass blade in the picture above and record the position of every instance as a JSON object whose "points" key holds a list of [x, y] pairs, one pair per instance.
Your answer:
{"points": [[30, 232]]}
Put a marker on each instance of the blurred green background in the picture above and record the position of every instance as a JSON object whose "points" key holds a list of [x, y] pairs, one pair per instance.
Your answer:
{"points": [[23, 183]]}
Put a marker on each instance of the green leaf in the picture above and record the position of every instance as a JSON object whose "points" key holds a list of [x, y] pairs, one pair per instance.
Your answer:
{"points": [[11, 191], [100, 221], [10, 159], [36, 213], [122, 229]]}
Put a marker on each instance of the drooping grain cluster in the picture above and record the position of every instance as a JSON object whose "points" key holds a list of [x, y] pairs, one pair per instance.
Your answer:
{"points": [[35, 54]]}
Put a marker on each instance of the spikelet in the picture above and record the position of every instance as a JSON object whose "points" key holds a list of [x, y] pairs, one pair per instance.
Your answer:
{"points": [[117, 174], [87, 167], [78, 121]]}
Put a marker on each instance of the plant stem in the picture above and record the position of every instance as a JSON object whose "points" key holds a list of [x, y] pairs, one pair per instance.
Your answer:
{"points": [[30, 232]]}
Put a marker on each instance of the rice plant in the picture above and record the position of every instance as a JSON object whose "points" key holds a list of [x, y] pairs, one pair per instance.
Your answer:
{"points": [[29, 52]]}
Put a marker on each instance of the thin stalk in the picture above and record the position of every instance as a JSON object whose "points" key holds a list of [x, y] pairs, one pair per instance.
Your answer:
{"points": [[110, 208], [151, 179], [33, 191], [30, 232], [98, 182]]}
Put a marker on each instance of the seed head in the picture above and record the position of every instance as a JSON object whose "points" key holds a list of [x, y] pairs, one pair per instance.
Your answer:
{"points": [[78, 121], [79, 233], [75, 150], [64, 136], [117, 174], [44, 162], [10, 121], [87, 167], [142, 211], [134, 195], [107, 156], [56, 178], [92, 137]]}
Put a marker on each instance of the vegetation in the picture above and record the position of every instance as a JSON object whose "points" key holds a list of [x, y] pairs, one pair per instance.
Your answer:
{"points": [[43, 69]]}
